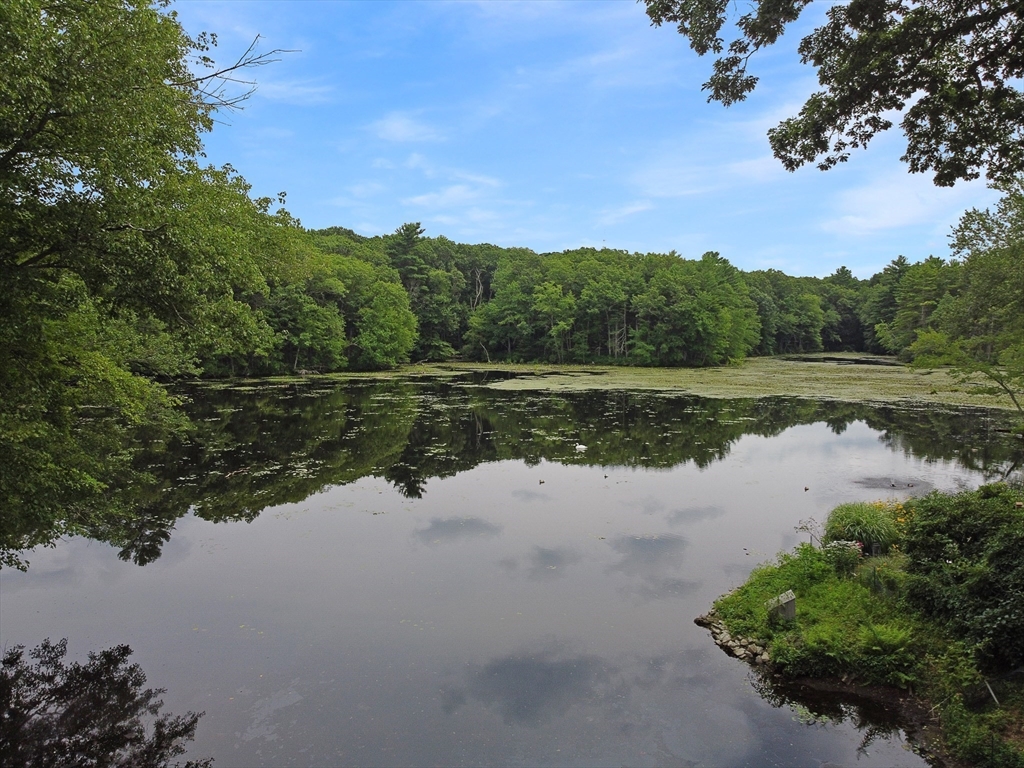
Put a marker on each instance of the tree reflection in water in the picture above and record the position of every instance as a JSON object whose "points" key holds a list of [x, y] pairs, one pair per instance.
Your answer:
{"points": [[256, 446], [875, 713], [95, 714]]}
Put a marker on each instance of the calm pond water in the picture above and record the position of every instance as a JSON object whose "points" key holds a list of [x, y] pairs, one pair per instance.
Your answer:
{"points": [[418, 572]]}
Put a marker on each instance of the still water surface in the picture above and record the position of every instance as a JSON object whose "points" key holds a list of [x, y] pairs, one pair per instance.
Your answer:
{"points": [[422, 573]]}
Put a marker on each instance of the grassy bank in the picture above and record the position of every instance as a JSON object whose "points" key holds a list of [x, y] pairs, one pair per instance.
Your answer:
{"points": [[939, 614]]}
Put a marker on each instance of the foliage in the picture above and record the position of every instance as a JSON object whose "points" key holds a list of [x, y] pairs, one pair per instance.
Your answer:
{"points": [[96, 714], [119, 255], [922, 288], [867, 637], [123, 261], [885, 574], [977, 738], [935, 618], [862, 522], [980, 330], [590, 306], [952, 68], [842, 555], [966, 568]]}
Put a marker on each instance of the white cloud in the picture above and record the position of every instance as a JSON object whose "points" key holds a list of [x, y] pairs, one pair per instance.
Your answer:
{"points": [[674, 176], [366, 189], [399, 127], [899, 199], [758, 169], [476, 178]]}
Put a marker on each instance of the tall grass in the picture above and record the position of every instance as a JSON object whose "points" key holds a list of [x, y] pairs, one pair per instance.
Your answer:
{"points": [[860, 521]]}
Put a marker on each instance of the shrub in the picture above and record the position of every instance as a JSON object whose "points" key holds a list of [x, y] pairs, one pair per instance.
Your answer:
{"points": [[976, 738], [843, 556], [966, 568], [863, 522], [884, 575]]}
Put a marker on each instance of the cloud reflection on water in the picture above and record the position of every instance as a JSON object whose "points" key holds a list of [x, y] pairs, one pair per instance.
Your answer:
{"points": [[532, 688], [547, 564], [453, 528], [651, 562]]}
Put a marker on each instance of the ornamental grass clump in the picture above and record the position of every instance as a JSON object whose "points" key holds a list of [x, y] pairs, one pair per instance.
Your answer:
{"points": [[869, 524]]}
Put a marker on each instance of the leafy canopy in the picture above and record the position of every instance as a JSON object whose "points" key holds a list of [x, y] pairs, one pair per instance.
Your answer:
{"points": [[980, 330], [953, 69]]}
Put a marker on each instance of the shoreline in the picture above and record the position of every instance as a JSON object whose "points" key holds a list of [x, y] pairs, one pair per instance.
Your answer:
{"points": [[915, 715]]}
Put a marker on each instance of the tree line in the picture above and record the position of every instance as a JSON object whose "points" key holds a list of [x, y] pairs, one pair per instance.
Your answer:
{"points": [[487, 303]]}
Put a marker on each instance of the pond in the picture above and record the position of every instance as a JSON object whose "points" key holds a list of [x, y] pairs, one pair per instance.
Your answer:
{"points": [[434, 572]]}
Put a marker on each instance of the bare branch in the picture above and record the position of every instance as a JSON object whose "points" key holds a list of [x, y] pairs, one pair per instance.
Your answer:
{"points": [[211, 88]]}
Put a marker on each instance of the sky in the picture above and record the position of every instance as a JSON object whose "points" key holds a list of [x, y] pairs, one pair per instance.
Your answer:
{"points": [[552, 125]]}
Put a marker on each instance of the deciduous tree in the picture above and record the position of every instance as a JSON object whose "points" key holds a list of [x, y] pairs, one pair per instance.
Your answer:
{"points": [[952, 68]]}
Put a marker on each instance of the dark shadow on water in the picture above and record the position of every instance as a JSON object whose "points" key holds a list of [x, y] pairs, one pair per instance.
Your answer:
{"points": [[876, 713]]}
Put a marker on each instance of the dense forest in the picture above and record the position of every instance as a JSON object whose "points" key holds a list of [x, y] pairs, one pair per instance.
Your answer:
{"points": [[329, 300], [482, 302]]}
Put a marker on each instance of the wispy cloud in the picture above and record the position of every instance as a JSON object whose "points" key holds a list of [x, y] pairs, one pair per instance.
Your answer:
{"points": [[295, 92], [675, 176], [898, 199], [623, 212], [366, 189], [454, 528], [400, 127], [456, 194]]}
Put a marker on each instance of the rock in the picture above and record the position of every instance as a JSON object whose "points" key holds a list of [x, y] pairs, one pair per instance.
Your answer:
{"points": [[764, 658]]}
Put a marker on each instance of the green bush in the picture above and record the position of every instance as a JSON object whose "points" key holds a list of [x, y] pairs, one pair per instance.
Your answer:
{"points": [[863, 522], [842, 626], [843, 556], [943, 606], [966, 568], [744, 610], [884, 575], [975, 738]]}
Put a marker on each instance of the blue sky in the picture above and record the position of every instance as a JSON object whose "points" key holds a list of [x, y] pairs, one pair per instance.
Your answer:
{"points": [[553, 125]]}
